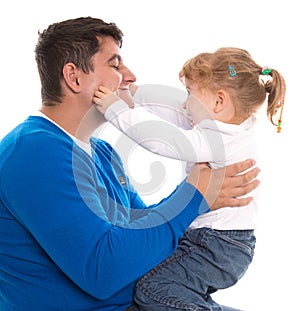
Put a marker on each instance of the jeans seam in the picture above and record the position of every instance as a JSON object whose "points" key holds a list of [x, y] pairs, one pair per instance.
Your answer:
{"points": [[168, 303], [160, 299], [238, 243], [165, 262], [211, 232]]}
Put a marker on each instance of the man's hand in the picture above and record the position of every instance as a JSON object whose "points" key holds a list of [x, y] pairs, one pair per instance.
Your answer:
{"points": [[225, 186]]}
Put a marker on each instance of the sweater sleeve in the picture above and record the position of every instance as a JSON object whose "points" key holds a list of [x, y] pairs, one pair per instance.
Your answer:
{"points": [[63, 202]]}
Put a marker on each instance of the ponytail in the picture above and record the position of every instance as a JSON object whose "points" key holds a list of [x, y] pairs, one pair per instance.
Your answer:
{"points": [[275, 87]]}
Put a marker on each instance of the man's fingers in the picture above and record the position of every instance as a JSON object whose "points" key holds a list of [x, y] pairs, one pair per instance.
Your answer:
{"points": [[238, 202], [233, 190], [245, 178], [240, 167], [245, 189]]}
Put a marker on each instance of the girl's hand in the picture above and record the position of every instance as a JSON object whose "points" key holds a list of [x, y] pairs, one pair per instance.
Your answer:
{"points": [[103, 98], [133, 88], [126, 95]]}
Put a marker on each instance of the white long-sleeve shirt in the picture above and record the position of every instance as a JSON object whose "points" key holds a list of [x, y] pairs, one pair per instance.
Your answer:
{"points": [[171, 135]]}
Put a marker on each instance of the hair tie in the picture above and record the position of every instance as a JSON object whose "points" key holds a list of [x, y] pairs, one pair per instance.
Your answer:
{"points": [[266, 70], [232, 71]]}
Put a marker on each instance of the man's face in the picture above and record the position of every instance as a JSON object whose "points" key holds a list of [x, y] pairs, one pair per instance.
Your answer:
{"points": [[106, 67], [109, 70]]}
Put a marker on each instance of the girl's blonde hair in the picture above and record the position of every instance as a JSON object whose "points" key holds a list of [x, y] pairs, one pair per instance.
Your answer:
{"points": [[234, 70]]}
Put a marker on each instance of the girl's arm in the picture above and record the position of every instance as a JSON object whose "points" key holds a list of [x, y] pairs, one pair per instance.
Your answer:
{"points": [[164, 101], [160, 136]]}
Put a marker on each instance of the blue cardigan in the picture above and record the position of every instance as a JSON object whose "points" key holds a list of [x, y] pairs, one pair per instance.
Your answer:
{"points": [[74, 234]]}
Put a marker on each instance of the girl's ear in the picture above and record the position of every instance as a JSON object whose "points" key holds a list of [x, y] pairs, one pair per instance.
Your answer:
{"points": [[70, 74], [221, 101]]}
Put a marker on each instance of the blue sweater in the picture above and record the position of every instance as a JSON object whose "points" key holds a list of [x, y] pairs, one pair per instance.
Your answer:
{"points": [[74, 234]]}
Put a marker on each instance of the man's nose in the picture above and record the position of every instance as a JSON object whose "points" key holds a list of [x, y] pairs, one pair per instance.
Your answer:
{"points": [[128, 76]]}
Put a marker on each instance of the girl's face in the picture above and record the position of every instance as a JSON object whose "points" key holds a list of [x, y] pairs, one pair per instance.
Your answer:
{"points": [[200, 102]]}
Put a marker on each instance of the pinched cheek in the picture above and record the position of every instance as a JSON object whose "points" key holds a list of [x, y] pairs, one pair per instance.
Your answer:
{"points": [[117, 82]]}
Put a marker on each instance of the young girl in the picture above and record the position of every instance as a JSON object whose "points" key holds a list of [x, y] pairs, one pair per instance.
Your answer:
{"points": [[225, 89]]}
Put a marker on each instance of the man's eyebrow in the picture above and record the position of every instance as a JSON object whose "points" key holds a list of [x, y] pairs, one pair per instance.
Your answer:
{"points": [[115, 56]]}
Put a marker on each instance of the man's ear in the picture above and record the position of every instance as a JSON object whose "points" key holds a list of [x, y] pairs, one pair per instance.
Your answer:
{"points": [[221, 101], [70, 73]]}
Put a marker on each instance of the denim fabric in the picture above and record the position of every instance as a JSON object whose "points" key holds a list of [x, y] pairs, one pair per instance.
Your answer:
{"points": [[206, 260]]}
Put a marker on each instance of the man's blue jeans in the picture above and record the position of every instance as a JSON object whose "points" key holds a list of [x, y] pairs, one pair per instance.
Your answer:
{"points": [[206, 260]]}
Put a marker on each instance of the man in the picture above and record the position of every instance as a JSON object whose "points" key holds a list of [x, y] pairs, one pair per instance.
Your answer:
{"points": [[74, 234]]}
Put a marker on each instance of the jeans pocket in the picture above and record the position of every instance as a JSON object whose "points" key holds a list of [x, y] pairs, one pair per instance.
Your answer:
{"points": [[241, 238]]}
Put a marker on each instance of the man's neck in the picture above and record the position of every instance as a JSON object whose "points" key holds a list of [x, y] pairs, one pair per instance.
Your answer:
{"points": [[77, 123]]}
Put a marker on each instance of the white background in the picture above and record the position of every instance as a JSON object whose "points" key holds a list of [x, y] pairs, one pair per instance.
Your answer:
{"points": [[159, 36]]}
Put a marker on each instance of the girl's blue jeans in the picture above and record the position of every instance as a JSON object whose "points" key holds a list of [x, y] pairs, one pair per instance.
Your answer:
{"points": [[206, 260]]}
